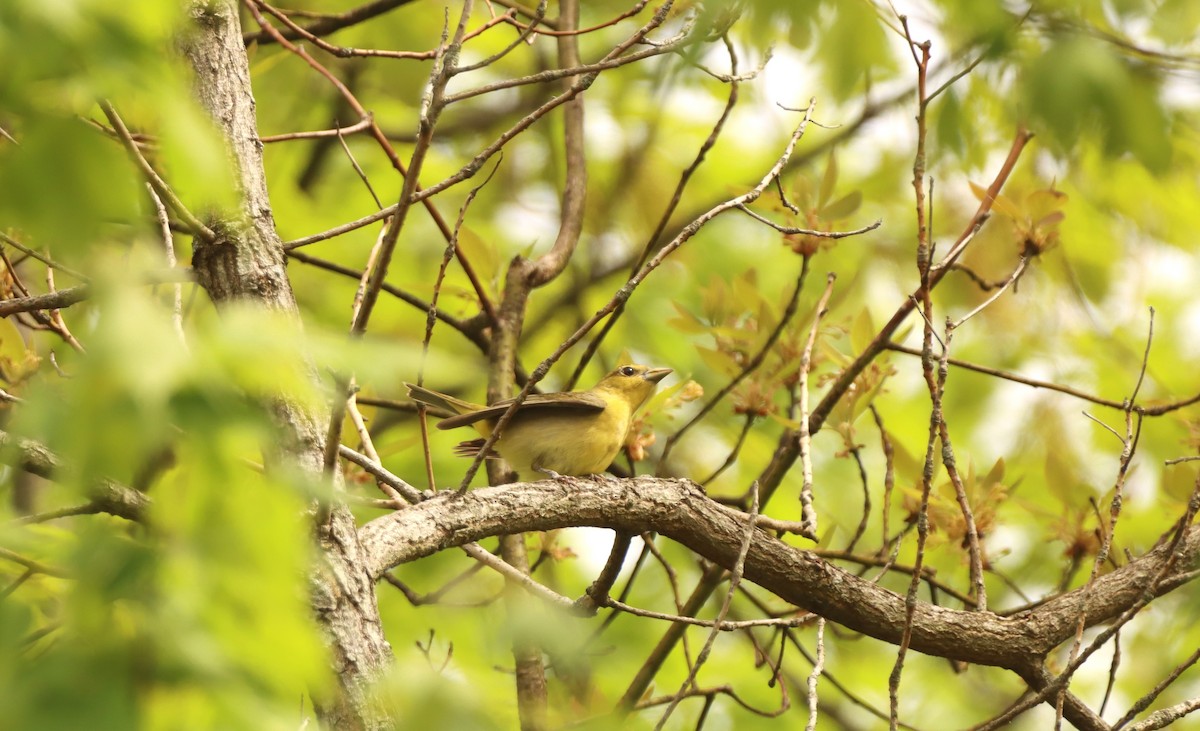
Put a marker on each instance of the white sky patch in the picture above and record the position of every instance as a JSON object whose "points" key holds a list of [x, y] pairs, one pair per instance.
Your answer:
{"points": [[592, 546], [527, 158], [605, 138], [1143, 484], [610, 248], [1009, 404], [1162, 272], [789, 79], [533, 216], [1186, 327], [1017, 547], [1171, 270], [699, 103]]}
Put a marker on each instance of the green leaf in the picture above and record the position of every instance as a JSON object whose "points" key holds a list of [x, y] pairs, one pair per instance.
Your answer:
{"points": [[828, 180], [843, 207], [862, 331], [950, 122], [687, 322], [853, 48], [719, 361], [1080, 86], [481, 253]]}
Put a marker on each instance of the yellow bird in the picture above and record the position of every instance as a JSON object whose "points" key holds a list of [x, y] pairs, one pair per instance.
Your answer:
{"points": [[565, 433]]}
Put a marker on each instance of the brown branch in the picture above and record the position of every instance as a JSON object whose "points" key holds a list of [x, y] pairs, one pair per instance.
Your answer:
{"points": [[107, 496], [411, 177], [679, 510], [329, 23], [249, 266], [1032, 382], [626, 291], [48, 301], [160, 186], [684, 177]]}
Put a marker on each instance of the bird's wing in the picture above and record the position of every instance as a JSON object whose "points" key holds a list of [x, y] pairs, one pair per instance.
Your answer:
{"points": [[581, 402]]}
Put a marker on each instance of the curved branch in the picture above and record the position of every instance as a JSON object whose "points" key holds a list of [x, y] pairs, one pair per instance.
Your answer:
{"points": [[679, 510], [107, 496], [330, 23]]}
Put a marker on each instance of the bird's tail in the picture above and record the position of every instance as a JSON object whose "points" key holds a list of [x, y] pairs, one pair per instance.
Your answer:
{"points": [[471, 448], [440, 401]]}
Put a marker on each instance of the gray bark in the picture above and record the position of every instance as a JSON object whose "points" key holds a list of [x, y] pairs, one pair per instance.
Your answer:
{"points": [[247, 264], [678, 509]]}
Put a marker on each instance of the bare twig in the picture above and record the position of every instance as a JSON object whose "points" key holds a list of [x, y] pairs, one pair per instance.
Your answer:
{"points": [[41, 257], [626, 291], [818, 668], [807, 511], [152, 177], [735, 578], [676, 196], [752, 365], [168, 240], [359, 126]]}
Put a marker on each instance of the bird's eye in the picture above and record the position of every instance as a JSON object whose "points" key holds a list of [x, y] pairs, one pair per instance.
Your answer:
{"points": [[628, 371]]}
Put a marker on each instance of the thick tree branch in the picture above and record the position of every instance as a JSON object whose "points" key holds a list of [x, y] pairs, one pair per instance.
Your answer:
{"points": [[679, 510], [107, 496]]}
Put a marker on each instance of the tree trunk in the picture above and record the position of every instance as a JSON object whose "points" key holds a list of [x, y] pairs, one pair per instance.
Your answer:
{"points": [[246, 263]]}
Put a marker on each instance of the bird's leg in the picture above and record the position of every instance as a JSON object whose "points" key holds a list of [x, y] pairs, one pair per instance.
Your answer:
{"points": [[548, 472]]}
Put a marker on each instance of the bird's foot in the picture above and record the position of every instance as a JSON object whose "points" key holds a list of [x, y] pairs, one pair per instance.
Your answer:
{"points": [[549, 473]]}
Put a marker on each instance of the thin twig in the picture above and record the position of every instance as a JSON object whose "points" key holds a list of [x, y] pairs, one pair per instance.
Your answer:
{"points": [[995, 296], [807, 512], [391, 485], [735, 577], [41, 257], [751, 365], [1015, 378], [160, 186], [818, 668], [168, 241], [359, 126], [722, 626], [32, 564], [626, 291]]}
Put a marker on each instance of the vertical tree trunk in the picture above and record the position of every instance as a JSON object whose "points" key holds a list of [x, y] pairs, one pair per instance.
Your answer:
{"points": [[247, 264]]}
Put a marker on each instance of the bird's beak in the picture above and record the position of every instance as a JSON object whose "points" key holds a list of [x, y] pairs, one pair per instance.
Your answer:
{"points": [[654, 375]]}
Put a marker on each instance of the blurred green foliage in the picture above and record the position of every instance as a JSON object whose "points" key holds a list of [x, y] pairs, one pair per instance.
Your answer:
{"points": [[199, 618]]}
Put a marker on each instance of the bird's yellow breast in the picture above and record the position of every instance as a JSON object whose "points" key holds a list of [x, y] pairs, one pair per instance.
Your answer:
{"points": [[568, 443]]}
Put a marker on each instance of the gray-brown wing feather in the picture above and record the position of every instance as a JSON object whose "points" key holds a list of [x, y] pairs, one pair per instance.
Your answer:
{"points": [[580, 402]]}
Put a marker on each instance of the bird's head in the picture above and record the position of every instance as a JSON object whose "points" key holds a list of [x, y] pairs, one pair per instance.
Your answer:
{"points": [[632, 382]]}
